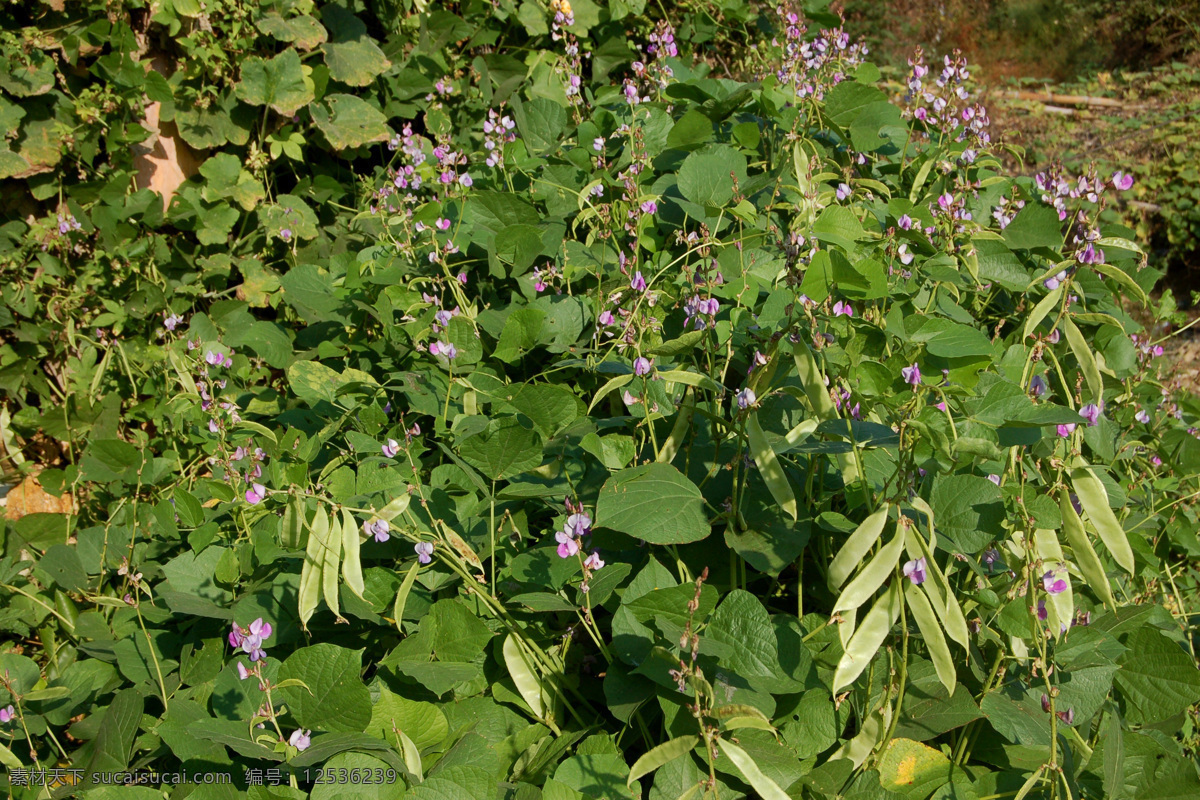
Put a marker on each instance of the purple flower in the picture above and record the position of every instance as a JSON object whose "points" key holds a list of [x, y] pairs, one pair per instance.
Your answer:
{"points": [[842, 309], [568, 545], [598, 143], [637, 282], [594, 562], [649, 207], [1122, 181], [391, 448], [915, 571], [746, 398], [243, 673], [286, 234], [1054, 584], [991, 557], [906, 257], [465, 181], [171, 321], [442, 224], [1054, 281], [905, 222], [843, 191], [1042, 613], [578, 525], [605, 318], [911, 375], [255, 494], [250, 640], [446, 349], [377, 528], [1155, 461], [7, 714], [628, 398], [1054, 336], [300, 739], [424, 551], [1142, 417], [1066, 430], [215, 359], [994, 479], [642, 366], [462, 278], [1067, 716], [1090, 412], [1038, 386]]}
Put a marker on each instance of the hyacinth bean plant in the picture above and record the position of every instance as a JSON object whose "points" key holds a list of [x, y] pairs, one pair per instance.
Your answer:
{"points": [[512, 407]]}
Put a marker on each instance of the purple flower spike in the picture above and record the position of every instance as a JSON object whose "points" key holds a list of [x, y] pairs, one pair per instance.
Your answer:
{"points": [[911, 375], [300, 739], [255, 494], [391, 448], [1090, 412], [424, 551], [1054, 584], [642, 366], [746, 398], [915, 571]]}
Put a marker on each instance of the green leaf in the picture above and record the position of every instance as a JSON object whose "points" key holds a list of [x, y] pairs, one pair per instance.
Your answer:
{"points": [[741, 623], [912, 769], [1158, 679], [969, 510], [278, 83], [303, 31], [113, 745], [348, 121], [540, 122], [339, 700], [597, 775], [1035, 226], [503, 449], [423, 723], [352, 57], [706, 176], [654, 502], [959, 341]]}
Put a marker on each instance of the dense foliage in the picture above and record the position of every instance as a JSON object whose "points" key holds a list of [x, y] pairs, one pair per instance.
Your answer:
{"points": [[510, 407]]}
